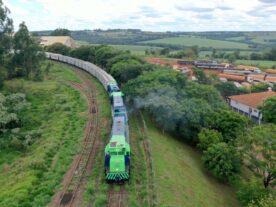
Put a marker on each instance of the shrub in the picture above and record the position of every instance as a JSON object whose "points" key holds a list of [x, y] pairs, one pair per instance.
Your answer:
{"points": [[268, 201], [223, 161], [207, 137], [252, 192]]}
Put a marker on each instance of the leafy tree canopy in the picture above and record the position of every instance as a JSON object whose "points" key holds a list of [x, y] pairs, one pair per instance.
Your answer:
{"points": [[207, 137], [269, 110], [258, 146], [61, 32], [222, 160]]}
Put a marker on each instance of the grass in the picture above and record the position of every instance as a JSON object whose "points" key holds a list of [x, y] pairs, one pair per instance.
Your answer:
{"points": [[137, 187], [180, 179], [30, 178], [200, 42], [258, 63], [136, 49]]}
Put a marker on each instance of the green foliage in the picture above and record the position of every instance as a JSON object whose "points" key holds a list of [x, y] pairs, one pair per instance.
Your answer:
{"points": [[49, 136], [10, 120], [86, 53], [178, 105], [103, 54], [260, 87], [223, 161], [6, 29], [229, 123], [229, 89], [251, 192], [258, 146], [61, 32], [269, 110], [124, 71], [59, 48], [201, 76], [28, 55], [268, 201], [207, 137]]}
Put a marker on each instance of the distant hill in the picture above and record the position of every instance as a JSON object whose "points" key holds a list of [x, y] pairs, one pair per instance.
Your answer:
{"points": [[177, 40]]}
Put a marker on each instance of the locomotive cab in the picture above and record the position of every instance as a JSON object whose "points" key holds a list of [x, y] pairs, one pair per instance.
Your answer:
{"points": [[117, 159], [112, 87]]}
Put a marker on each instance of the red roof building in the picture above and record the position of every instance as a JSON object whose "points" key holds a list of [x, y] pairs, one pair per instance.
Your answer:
{"points": [[248, 104]]}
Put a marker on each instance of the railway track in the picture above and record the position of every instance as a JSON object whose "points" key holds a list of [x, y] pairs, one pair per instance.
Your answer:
{"points": [[73, 189], [117, 197]]}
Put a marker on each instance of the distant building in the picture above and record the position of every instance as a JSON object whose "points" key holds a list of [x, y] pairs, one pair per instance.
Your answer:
{"points": [[65, 40], [247, 104]]}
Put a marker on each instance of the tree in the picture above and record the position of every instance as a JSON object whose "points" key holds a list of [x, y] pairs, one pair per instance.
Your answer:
{"points": [[200, 75], [27, 53], [165, 51], [258, 146], [231, 58], [6, 29], [260, 87], [61, 32], [229, 123], [229, 89], [251, 191], [84, 52], [223, 161], [59, 48], [104, 53], [207, 137], [269, 110]]}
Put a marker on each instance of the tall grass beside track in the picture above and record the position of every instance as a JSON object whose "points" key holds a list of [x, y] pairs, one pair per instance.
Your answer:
{"points": [[30, 178], [179, 176]]}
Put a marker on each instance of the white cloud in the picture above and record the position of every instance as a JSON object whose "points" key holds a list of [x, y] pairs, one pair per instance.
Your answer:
{"points": [[156, 15]]}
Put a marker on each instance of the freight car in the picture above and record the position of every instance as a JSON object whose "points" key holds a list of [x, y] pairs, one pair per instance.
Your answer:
{"points": [[117, 151]]}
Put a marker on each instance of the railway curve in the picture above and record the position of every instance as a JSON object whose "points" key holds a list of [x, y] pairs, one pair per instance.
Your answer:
{"points": [[72, 192]]}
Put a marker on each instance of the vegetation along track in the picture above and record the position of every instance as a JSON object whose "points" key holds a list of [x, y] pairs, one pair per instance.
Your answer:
{"points": [[76, 177]]}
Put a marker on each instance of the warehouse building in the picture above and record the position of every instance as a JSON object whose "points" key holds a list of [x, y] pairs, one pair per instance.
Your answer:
{"points": [[248, 104]]}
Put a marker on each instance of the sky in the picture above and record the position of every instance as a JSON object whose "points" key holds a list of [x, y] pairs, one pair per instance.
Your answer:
{"points": [[149, 15]]}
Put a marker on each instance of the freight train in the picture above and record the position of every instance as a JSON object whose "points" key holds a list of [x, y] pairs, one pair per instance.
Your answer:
{"points": [[117, 151]]}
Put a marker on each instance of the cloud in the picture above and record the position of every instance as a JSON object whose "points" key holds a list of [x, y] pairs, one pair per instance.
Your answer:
{"points": [[154, 15], [194, 9], [267, 1]]}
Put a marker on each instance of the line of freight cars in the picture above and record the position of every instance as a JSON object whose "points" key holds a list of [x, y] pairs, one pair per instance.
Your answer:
{"points": [[117, 151]]}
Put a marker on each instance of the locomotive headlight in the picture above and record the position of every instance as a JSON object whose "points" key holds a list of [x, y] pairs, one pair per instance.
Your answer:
{"points": [[117, 169]]}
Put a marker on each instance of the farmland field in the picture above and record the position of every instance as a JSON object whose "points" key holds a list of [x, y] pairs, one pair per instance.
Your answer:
{"points": [[180, 179], [201, 42], [134, 49], [258, 63]]}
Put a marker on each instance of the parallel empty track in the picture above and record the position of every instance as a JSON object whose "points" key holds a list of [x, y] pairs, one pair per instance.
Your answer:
{"points": [[77, 176]]}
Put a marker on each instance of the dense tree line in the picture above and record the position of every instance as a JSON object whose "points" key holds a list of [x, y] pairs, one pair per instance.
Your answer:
{"points": [[20, 57], [20, 54], [61, 32]]}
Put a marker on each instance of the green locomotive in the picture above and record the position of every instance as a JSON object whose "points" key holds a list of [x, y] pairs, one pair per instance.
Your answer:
{"points": [[117, 151]]}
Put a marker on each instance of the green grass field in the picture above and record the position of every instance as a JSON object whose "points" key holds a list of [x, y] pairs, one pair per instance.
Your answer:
{"points": [[201, 42], [180, 179], [30, 178], [134, 49], [258, 63]]}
